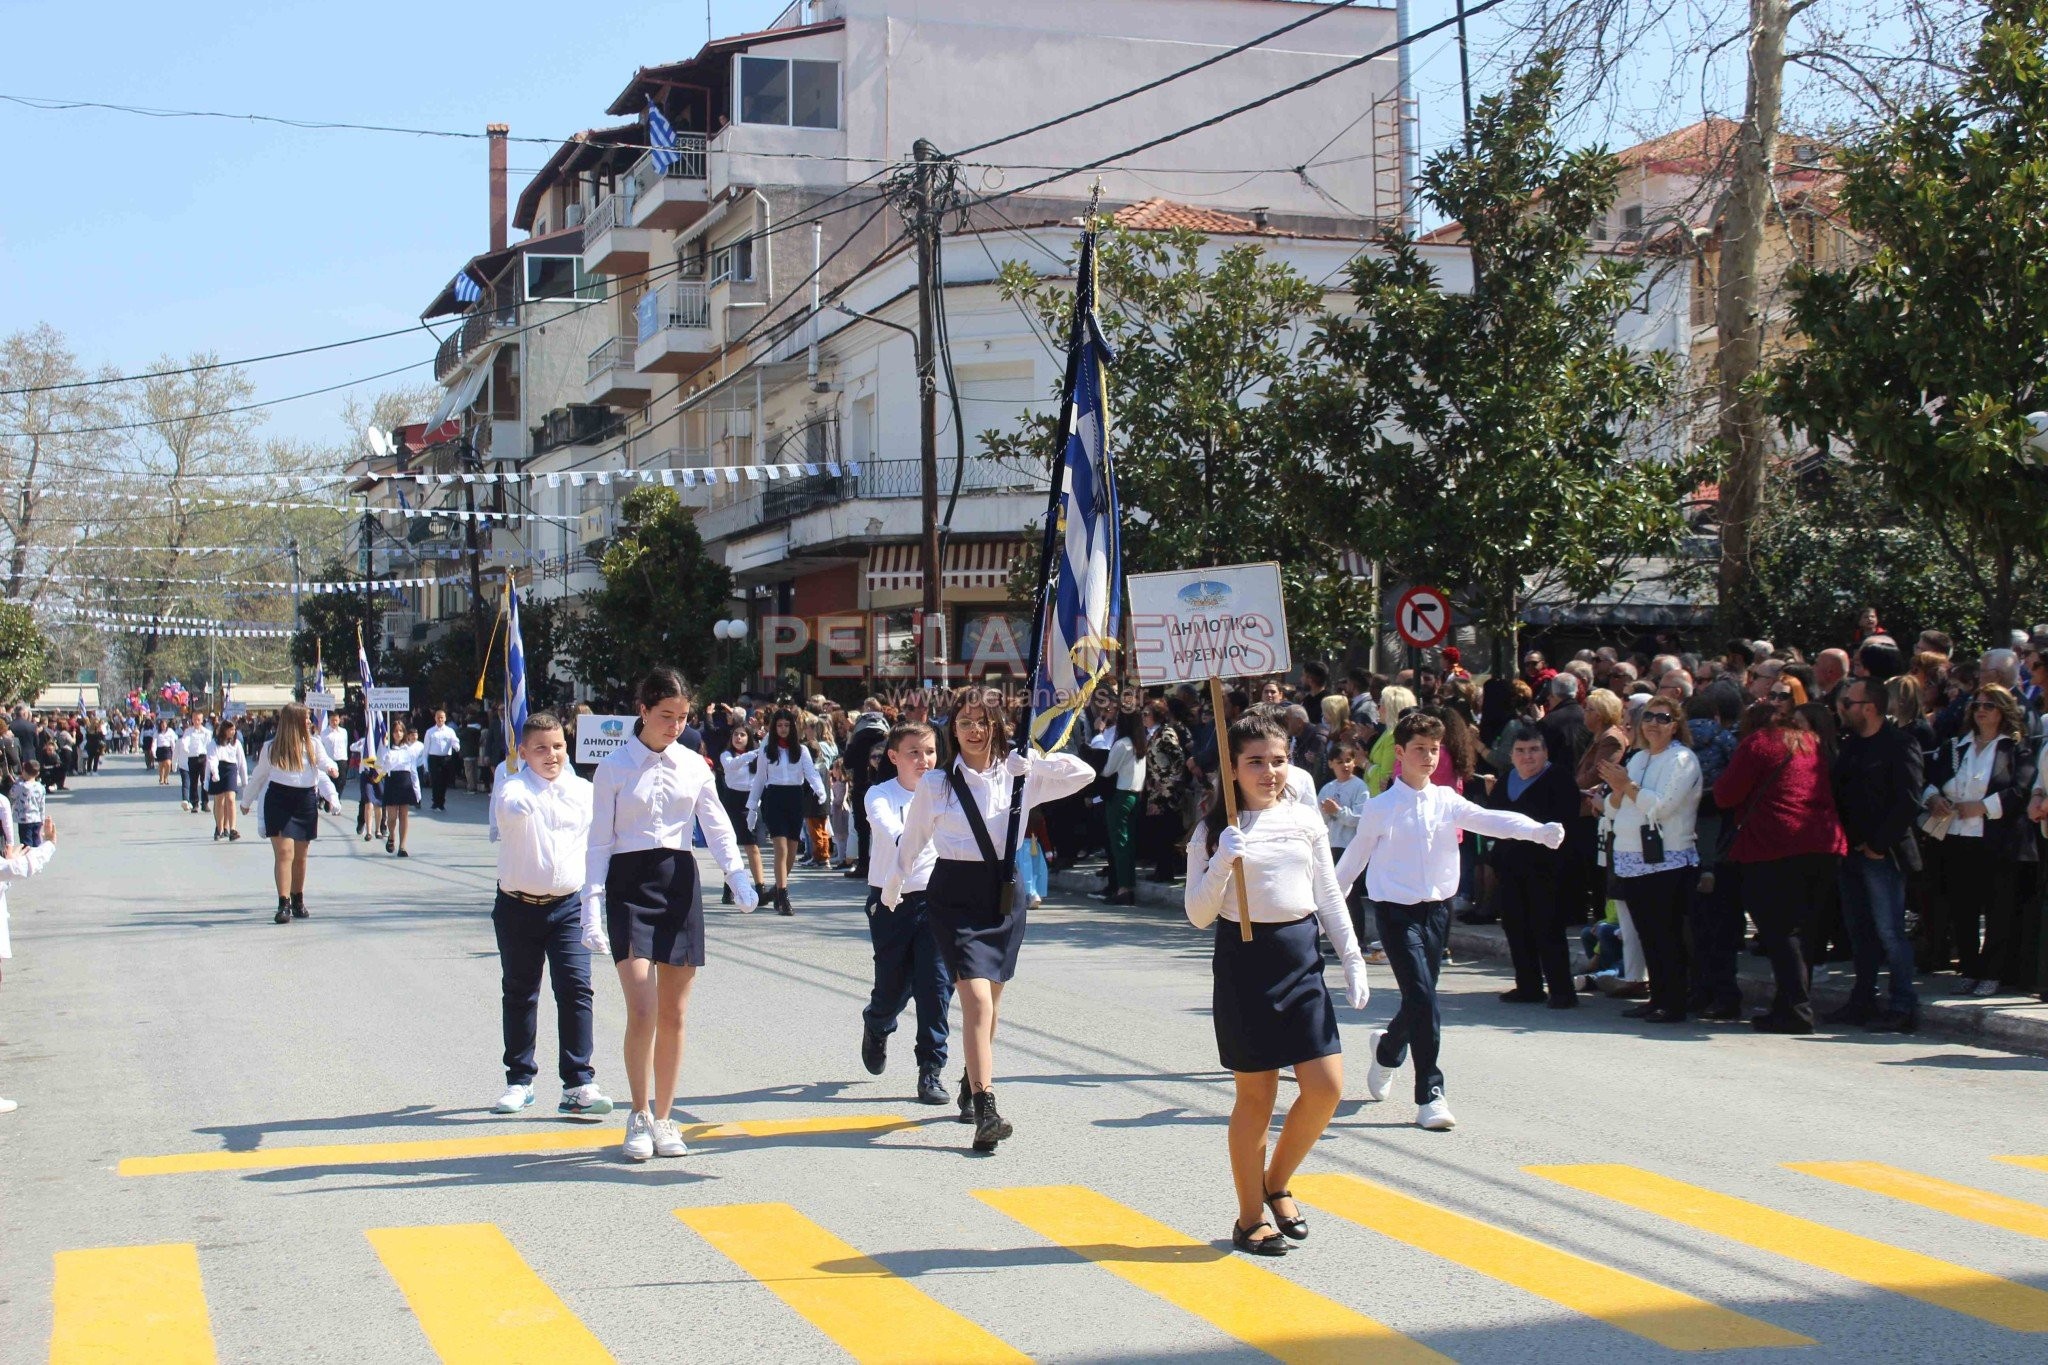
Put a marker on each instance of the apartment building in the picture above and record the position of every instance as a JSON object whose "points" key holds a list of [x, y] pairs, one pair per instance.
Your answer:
{"points": [[696, 247]]}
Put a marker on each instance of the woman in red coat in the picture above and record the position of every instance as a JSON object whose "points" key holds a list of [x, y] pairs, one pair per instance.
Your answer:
{"points": [[1789, 842]]}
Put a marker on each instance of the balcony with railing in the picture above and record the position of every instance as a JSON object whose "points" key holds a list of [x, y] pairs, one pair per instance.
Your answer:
{"points": [[610, 376], [492, 315], [675, 197], [612, 245], [675, 334], [784, 499]]}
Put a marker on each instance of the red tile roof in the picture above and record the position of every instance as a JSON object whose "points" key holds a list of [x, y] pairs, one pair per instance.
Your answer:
{"points": [[1164, 215]]}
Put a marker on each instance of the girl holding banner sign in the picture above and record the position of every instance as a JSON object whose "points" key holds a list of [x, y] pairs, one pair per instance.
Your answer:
{"points": [[1271, 1007], [970, 902]]}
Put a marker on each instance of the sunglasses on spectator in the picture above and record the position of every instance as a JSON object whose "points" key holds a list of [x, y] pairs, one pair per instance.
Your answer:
{"points": [[1984, 706], [1659, 718], [1781, 696]]}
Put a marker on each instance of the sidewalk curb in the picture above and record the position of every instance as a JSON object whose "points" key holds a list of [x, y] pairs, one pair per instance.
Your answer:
{"points": [[2009, 1024]]}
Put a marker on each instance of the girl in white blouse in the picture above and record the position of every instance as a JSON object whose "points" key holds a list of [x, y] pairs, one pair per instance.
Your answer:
{"points": [[785, 768], [1271, 1008], [400, 760], [975, 909], [293, 775], [226, 763], [641, 900], [735, 773]]}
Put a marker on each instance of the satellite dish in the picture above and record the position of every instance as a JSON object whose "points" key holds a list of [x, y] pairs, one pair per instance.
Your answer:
{"points": [[380, 442]]}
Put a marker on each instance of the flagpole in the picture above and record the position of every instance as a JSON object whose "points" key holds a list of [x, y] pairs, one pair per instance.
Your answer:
{"points": [[511, 741]]}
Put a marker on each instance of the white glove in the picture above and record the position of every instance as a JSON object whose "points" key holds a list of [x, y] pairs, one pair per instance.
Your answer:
{"points": [[594, 939], [1229, 847], [1356, 991], [1552, 835], [754, 818], [743, 893], [892, 895], [1017, 764]]}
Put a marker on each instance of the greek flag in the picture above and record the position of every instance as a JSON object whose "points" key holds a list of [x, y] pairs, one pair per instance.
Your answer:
{"points": [[1080, 599], [319, 681], [467, 290], [375, 746], [515, 675], [662, 135]]}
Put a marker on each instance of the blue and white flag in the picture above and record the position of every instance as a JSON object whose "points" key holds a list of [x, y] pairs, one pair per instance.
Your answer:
{"points": [[1081, 602], [661, 134], [319, 681], [375, 747], [515, 672], [467, 290]]}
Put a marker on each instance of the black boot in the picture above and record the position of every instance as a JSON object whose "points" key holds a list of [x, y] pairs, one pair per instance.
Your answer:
{"points": [[782, 905], [284, 910], [990, 1127], [298, 905], [966, 1099]]}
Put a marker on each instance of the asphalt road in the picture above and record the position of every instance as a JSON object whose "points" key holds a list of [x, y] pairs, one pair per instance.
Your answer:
{"points": [[1608, 1194]]}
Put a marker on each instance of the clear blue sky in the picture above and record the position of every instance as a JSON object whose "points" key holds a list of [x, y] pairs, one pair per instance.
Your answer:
{"points": [[141, 237]]}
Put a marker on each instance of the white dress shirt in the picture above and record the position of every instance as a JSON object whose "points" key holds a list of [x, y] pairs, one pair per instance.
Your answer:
{"points": [[1125, 766], [1416, 834], [31, 861], [886, 804], [936, 820], [401, 756], [1287, 875], [543, 831], [220, 756], [643, 799], [316, 774], [335, 741], [784, 771], [442, 741], [739, 770], [1973, 763], [193, 743]]}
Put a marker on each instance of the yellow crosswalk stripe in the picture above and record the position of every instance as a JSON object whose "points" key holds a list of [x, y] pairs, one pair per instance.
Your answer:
{"points": [[1615, 1297], [479, 1302], [124, 1304], [2032, 1163], [549, 1139], [2019, 1307], [1224, 1289], [876, 1316], [1979, 1206]]}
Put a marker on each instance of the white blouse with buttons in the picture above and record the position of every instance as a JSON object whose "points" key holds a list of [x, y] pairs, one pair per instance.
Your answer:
{"points": [[642, 799]]}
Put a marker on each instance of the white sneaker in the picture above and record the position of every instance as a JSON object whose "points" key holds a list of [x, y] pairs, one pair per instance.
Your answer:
{"points": [[8, 1106], [668, 1139], [1378, 1079], [639, 1135], [1985, 988], [1436, 1116], [515, 1098], [584, 1101]]}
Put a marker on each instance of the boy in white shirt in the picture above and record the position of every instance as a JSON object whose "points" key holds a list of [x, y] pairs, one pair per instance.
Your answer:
{"points": [[1407, 845], [542, 814], [907, 961]]}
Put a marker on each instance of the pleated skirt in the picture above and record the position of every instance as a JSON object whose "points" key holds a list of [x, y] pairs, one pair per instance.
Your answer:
{"points": [[291, 812]]}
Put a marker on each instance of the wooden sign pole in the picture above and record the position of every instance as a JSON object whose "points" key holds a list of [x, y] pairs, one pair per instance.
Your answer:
{"points": [[1226, 779]]}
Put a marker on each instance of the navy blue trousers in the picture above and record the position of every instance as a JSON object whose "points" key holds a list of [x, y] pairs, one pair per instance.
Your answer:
{"points": [[907, 966], [531, 937], [1413, 937]]}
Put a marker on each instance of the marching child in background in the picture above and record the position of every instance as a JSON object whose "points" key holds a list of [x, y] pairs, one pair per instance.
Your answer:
{"points": [[27, 800], [1342, 800], [1407, 846], [1270, 1006], [542, 815], [18, 861], [907, 961], [369, 788], [226, 764]]}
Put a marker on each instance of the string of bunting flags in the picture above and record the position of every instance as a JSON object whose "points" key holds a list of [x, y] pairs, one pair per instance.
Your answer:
{"points": [[145, 618], [689, 477], [253, 586], [224, 632]]}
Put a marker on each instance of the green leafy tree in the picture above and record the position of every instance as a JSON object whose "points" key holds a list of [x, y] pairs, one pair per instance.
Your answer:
{"points": [[24, 652], [660, 597], [328, 625], [1207, 471], [1502, 441], [1923, 361]]}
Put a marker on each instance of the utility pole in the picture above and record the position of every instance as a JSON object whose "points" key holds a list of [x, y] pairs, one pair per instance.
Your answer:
{"points": [[298, 624], [923, 214]]}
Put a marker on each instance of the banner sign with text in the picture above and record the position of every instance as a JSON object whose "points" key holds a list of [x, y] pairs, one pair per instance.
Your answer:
{"points": [[597, 736], [1226, 622], [387, 698]]}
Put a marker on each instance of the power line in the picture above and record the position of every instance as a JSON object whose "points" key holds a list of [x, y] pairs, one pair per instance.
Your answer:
{"points": [[216, 364]]}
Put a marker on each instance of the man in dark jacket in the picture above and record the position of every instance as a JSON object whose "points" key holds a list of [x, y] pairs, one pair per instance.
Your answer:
{"points": [[870, 733], [1531, 877], [1877, 781], [1564, 721]]}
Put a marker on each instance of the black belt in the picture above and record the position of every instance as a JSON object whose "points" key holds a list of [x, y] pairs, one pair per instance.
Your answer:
{"points": [[524, 899]]}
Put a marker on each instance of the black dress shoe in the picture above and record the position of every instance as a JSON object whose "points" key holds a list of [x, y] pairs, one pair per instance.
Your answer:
{"points": [[874, 1049], [1563, 1002], [1895, 1021], [1851, 1013], [1642, 1011], [1722, 1014], [1664, 1017], [1518, 996], [1241, 1238], [1771, 1023], [1295, 1228]]}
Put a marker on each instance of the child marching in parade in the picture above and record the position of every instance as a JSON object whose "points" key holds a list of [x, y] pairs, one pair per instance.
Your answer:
{"points": [[1407, 846], [783, 771], [542, 815], [226, 763], [907, 959], [292, 778], [641, 900], [1271, 1007]]}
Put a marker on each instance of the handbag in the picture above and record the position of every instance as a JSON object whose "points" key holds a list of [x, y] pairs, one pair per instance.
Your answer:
{"points": [[1007, 867]]}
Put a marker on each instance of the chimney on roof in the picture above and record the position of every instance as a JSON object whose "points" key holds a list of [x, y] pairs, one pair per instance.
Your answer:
{"points": [[1259, 218], [496, 133]]}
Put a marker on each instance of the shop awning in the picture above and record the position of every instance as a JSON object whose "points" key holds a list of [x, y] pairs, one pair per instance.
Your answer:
{"points": [[463, 393], [969, 564]]}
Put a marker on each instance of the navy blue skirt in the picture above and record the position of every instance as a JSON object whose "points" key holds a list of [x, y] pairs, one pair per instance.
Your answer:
{"points": [[291, 812], [735, 804], [1271, 1007], [782, 812], [654, 907], [975, 938]]}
